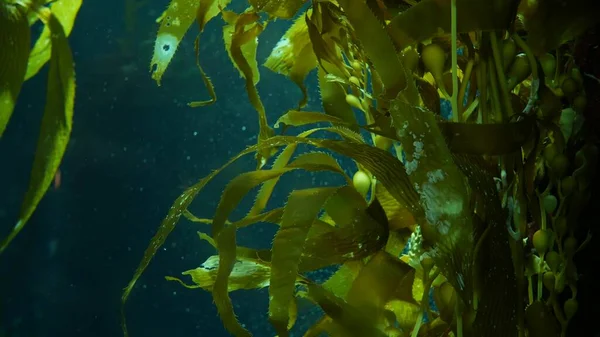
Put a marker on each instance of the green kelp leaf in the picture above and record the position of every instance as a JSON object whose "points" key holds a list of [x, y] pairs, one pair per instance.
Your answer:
{"points": [[65, 11], [377, 283], [380, 50], [301, 210], [14, 45], [301, 118], [429, 18], [340, 282], [263, 196], [285, 9], [246, 274], [551, 23], [488, 139], [56, 123], [293, 56], [175, 22], [345, 315]]}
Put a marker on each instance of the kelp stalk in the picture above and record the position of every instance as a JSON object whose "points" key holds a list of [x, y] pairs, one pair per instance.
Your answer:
{"points": [[455, 112]]}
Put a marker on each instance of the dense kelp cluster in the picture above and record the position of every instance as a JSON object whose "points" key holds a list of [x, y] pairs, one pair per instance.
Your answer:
{"points": [[487, 199], [19, 61]]}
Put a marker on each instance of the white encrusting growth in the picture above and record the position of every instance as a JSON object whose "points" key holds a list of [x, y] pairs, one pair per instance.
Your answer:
{"points": [[439, 205]]}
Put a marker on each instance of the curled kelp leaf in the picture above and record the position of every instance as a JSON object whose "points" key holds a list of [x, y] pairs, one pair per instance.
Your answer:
{"points": [[293, 56], [65, 11], [56, 122], [429, 18], [205, 12], [323, 47], [247, 273], [487, 139], [246, 31], [15, 43]]}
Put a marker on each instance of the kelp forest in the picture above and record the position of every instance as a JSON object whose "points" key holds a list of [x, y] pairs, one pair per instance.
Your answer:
{"points": [[470, 126]]}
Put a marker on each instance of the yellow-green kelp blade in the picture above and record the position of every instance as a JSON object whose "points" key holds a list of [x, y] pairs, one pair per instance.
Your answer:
{"points": [[56, 123], [65, 12], [301, 210], [14, 52]]}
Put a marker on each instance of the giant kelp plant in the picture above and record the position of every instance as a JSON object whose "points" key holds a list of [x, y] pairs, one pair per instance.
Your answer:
{"points": [[487, 199]]}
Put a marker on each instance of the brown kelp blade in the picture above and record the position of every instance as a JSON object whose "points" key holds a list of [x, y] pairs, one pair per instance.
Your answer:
{"points": [[56, 125], [14, 45], [487, 139]]}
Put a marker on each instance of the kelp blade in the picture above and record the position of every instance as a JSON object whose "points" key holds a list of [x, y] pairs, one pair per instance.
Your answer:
{"points": [[175, 22], [65, 11], [56, 123], [293, 56], [224, 235], [14, 53], [301, 210]]}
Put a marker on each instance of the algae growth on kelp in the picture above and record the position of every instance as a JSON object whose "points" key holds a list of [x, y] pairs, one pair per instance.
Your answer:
{"points": [[486, 197]]}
